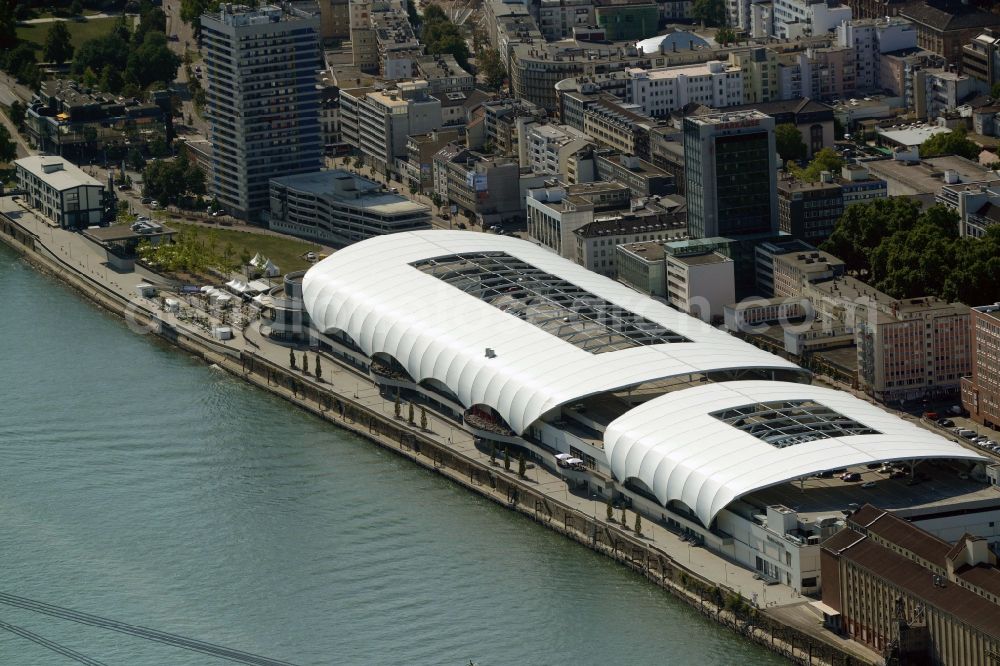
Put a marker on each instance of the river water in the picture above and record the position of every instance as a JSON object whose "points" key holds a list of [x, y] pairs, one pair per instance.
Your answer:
{"points": [[137, 483]]}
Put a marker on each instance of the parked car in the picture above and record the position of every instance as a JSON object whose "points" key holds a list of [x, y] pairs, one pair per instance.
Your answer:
{"points": [[145, 200], [946, 423], [966, 433], [932, 416], [154, 204], [851, 476], [868, 484]]}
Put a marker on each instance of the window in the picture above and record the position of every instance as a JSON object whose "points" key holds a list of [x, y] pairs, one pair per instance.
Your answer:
{"points": [[787, 423], [550, 303]]}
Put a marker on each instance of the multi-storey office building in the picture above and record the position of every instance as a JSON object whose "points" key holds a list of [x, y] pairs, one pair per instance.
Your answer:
{"points": [[339, 208], [907, 592], [809, 210], [554, 213], [660, 91], [379, 122], [597, 242], [262, 103], [730, 166], [981, 391], [68, 119], [60, 191], [907, 348], [981, 58], [944, 28], [792, 270]]}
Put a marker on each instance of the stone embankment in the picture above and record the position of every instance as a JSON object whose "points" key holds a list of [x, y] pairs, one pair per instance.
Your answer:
{"points": [[492, 481]]}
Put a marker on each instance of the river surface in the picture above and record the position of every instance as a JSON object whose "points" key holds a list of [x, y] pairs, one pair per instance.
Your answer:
{"points": [[139, 484]]}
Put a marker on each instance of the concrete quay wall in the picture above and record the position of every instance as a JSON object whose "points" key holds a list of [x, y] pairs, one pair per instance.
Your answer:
{"points": [[490, 481]]}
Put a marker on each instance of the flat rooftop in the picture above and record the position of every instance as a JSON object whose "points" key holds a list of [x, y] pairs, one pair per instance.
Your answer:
{"points": [[927, 177], [351, 189], [648, 250], [56, 172], [121, 232], [700, 259], [911, 136], [942, 491], [814, 261], [723, 117]]}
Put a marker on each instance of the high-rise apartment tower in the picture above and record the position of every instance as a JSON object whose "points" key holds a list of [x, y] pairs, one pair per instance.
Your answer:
{"points": [[261, 101]]}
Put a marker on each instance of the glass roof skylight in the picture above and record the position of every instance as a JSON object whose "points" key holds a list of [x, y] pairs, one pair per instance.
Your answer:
{"points": [[550, 303], [790, 422]]}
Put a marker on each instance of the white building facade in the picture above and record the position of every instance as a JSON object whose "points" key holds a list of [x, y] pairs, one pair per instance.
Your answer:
{"points": [[660, 91], [60, 191], [338, 208]]}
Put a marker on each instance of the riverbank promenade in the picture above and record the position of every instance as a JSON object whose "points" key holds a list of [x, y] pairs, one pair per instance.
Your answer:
{"points": [[77, 253]]}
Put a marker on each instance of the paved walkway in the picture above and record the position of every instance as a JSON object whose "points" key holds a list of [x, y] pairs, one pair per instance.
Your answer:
{"points": [[89, 259], [56, 19]]}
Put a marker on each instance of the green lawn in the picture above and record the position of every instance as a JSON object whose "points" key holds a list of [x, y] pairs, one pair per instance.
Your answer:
{"points": [[287, 253], [80, 31]]}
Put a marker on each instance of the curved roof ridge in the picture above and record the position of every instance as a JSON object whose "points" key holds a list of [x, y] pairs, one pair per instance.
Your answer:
{"points": [[707, 463], [371, 291]]}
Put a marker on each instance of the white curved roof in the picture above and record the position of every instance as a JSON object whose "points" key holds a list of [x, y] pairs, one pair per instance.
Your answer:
{"points": [[369, 291], [680, 452], [681, 39]]}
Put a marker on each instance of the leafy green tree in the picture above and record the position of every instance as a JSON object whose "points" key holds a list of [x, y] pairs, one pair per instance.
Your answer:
{"points": [[58, 44], [319, 369], [610, 510], [396, 406], [135, 160], [423, 419], [506, 458], [995, 91], [151, 20], [305, 363], [152, 61], [8, 25], [76, 8], [440, 35], [862, 227], [521, 465], [18, 58], [96, 54], [111, 80], [492, 68], [954, 142], [709, 12], [493, 453], [8, 149], [158, 147], [191, 11], [908, 253], [18, 112], [638, 524], [826, 159], [725, 35], [409, 412], [788, 140], [291, 358], [172, 180], [89, 78]]}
